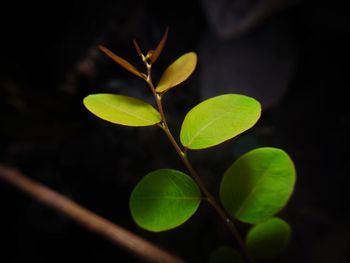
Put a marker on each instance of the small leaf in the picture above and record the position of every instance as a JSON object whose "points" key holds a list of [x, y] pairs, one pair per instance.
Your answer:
{"points": [[121, 109], [258, 185], [268, 239], [225, 254], [138, 49], [160, 47], [122, 62], [164, 199], [177, 72], [218, 119]]}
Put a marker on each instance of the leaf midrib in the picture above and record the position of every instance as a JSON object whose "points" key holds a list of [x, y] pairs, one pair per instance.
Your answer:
{"points": [[252, 192], [112, 105], [205, 127]]}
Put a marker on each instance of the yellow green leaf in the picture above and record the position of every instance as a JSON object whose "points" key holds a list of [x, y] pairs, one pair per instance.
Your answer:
{"points": [[218, 119], [122, 110], [177, 72]]}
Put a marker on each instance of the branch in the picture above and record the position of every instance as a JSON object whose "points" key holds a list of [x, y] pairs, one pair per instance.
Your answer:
{"points": [[95, 223], [211, 199]]}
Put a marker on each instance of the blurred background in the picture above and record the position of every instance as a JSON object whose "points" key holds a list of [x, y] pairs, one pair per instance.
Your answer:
{"points": [[291, 55]]}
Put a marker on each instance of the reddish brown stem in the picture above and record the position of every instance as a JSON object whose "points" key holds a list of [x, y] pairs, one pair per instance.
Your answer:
{"points": [[95, 223]]}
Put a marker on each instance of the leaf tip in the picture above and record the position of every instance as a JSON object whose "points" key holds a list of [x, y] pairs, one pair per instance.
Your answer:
{"points": [[138, 49], [160, 46], [103, 49], [181, 69], [121, 61]]}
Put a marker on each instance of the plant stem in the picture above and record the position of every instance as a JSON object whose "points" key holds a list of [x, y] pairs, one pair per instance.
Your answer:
{"points": [[183, 156], [95, 223]]}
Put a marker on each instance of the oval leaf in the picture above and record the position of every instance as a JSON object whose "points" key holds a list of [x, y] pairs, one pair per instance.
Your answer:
{"points": [[258, 185], [122, 110], [268, 239], [177, 72], [225, 254], [218, 119], [164, 199], [122, 62]]}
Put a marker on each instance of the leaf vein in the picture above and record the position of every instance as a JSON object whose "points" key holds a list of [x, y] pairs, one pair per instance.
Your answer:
{"points": [[244, 204]]}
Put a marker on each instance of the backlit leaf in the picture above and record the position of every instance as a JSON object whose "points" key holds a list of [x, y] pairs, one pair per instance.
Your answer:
{"points": [[164, 199], [268, 239], [218, 119], [121, 109], [160, 47], [258, 185], [122, 62], [177, 72]]}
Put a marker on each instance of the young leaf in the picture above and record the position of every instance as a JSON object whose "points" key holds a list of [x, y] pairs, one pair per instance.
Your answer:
{"points": [[122, 110], [268, 239], [122, 62], [164, 199], [258, 185], [218, 119], [225, 254], [177, 72], [160, 47], [138, 49]]}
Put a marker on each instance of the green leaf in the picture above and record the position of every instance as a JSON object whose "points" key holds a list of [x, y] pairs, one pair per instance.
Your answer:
{"points": [[218, 119], [225, 254], [268, 239], [177, 72], [164, 199], [258, 185], [122, 110]]}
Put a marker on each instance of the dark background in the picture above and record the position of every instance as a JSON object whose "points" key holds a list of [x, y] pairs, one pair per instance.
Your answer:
{"points": [[49, 63]]}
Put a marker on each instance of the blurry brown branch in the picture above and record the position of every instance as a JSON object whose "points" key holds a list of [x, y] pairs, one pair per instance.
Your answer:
{"points": [[95, 223]]}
